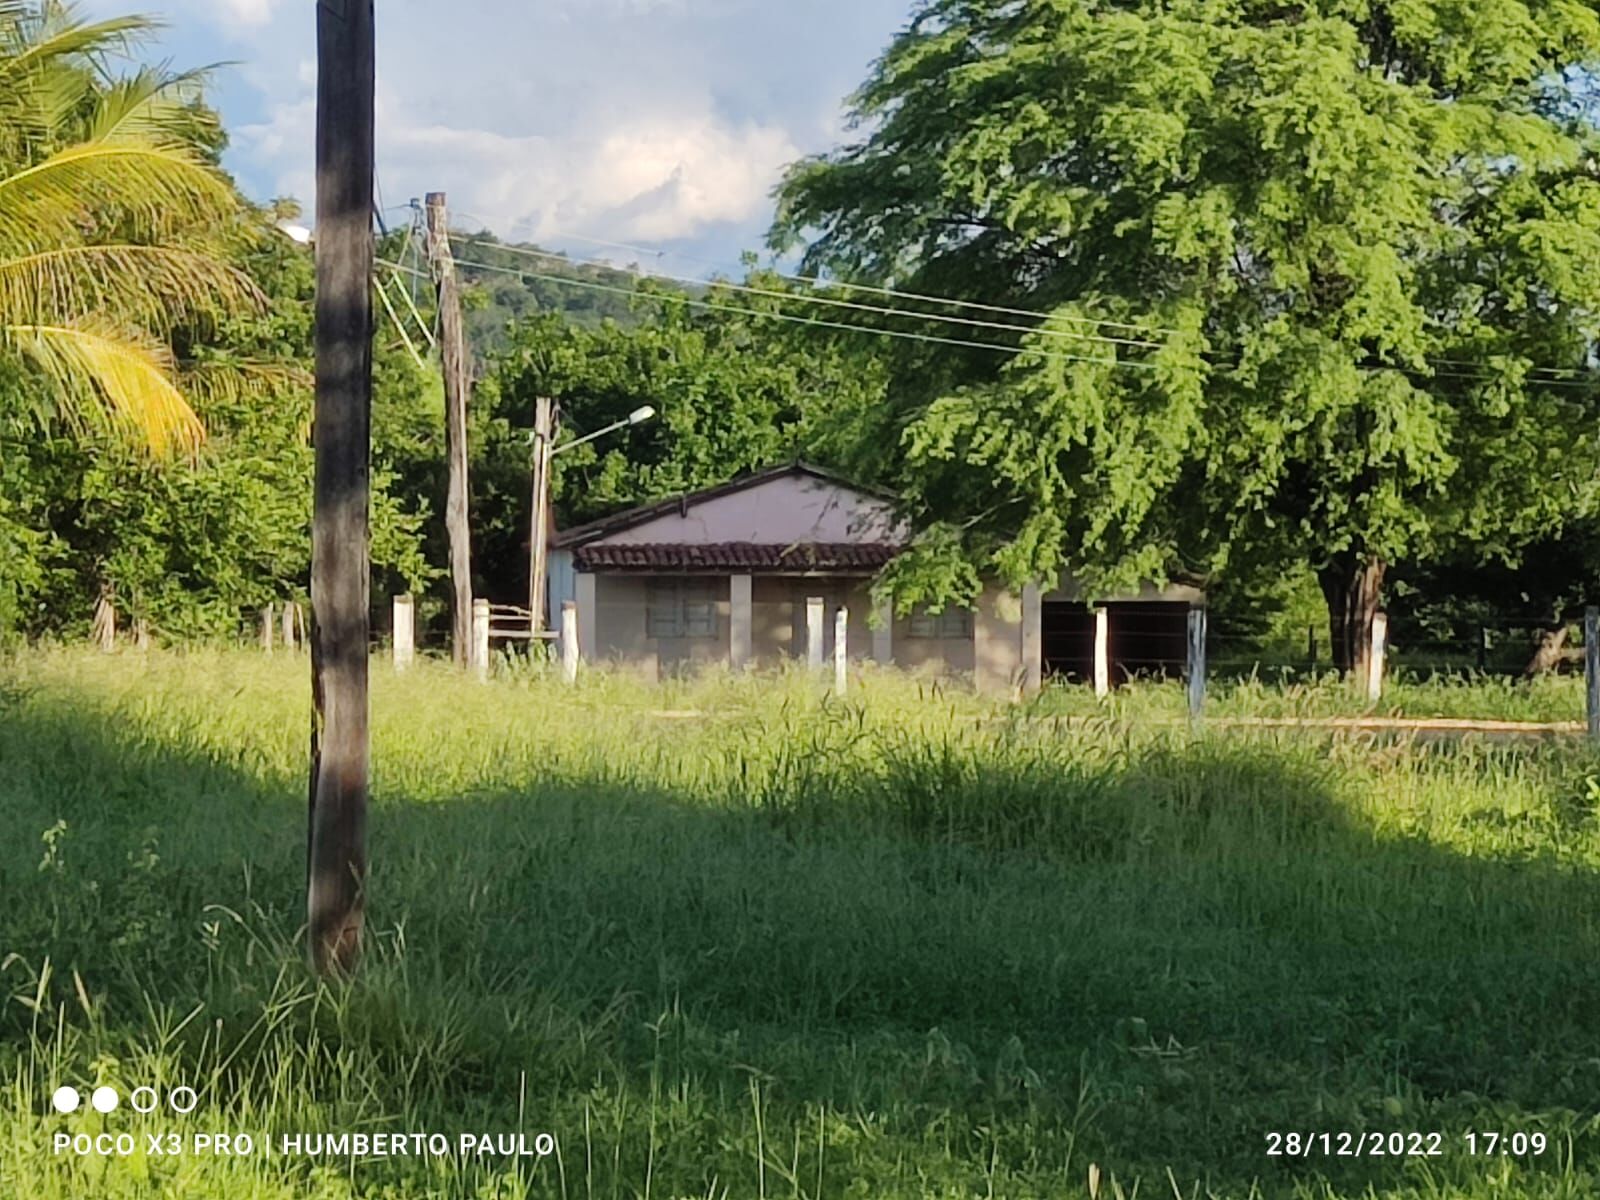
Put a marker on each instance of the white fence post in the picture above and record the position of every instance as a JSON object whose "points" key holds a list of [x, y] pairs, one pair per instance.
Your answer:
{"points": [[1380, 638], [1197, 664], [266, 628], [841, 650], [405, 631], [480, 638], [1102, 652], [569, 641], [815, 606]]}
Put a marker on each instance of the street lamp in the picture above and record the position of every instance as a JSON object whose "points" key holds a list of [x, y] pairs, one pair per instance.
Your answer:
{"points": [[544, 435]]}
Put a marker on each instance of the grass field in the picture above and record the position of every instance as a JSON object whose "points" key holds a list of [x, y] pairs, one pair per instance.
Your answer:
{"points": [[905, 945]]}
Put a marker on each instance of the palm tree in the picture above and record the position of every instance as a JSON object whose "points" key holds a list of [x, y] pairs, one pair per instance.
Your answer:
{"points": [[114, 226]]}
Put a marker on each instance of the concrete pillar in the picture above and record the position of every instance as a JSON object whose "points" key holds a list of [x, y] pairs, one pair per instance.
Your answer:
{"points": [[741, 624], [569, 641], [588, 615], [841, 650], [405, 632], [1032, 640], [883, 635], [480, 638], [816, 615], [1102, 652]]}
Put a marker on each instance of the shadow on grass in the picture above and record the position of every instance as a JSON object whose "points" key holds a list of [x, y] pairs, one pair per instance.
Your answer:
{"points": [[959, 972]]}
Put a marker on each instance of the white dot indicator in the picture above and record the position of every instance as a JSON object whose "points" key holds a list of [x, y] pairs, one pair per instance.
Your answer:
{"points": [[105, 1099], [65, 1100]]}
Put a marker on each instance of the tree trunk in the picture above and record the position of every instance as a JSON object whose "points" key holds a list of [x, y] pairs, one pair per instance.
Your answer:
{"points": [[1549, 652], [1352, 585]]}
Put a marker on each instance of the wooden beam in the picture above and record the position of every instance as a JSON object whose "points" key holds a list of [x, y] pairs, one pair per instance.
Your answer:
{"points": [[457, 393], [337, 855]]}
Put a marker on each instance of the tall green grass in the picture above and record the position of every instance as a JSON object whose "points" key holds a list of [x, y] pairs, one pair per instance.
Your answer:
{"points": [[736, 937]]}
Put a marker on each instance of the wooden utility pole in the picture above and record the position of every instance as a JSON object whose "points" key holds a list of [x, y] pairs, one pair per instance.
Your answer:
{"points": [[337, 852], [544, 436], [457, 391]]}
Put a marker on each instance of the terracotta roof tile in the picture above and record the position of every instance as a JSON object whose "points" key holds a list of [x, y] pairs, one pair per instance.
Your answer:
{"points": [[755, 557]]}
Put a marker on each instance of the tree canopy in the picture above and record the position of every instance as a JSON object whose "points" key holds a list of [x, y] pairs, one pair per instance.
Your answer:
{"points": [[1313, 280]]}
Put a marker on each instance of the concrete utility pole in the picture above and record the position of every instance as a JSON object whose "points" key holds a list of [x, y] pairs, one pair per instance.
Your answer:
{"points": [[457, 391], [336, 858], [544, 437]]}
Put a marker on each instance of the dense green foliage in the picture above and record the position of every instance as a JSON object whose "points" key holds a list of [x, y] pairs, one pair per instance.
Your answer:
{"points": [[889, 948], [1319, 279]]}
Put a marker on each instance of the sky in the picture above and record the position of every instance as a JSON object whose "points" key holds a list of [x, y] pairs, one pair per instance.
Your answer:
{"points": [[656, 123]]}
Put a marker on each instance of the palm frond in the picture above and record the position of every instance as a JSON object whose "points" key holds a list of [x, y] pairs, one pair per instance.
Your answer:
{"points": [[111, 379], [154, 287], [148, 190]]}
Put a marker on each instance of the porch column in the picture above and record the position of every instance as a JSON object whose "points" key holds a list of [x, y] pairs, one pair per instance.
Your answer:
{"points": [[1032, 640], [741, 621], [816, 613], [883, 635], [587, 611]]}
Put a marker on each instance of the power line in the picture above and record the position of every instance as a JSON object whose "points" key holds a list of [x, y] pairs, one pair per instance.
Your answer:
{"points": [[1046, 355], [827, 301], [1583, 373], [869, 289], [789, 317]]}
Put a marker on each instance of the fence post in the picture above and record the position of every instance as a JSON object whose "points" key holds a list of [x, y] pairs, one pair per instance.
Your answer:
{"points": [[569, 640], [480, 638], [287, 625], [1311, 645], [104, 631], [1102, 652], [1197, 664], [1483, 648], [266, 628], [814, 615], [1591, 668], [405, 631], [841, 650], [1380, 639]]}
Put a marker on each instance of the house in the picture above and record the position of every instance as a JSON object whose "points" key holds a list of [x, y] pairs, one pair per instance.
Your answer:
{"points": [[753, 571]]}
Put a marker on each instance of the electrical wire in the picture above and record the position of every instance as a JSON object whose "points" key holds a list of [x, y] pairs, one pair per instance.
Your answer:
{"points": [[790, 317], [826, 301]]}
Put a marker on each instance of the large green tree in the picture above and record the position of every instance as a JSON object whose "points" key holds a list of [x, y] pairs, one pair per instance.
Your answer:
{"points": [[1315, 279]]}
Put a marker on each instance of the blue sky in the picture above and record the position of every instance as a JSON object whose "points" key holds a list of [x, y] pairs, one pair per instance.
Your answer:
{"points": [[662, 123]]}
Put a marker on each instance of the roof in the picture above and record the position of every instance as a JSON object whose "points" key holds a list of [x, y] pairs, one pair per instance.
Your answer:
{"points": [[721, 557], [579, 535]]}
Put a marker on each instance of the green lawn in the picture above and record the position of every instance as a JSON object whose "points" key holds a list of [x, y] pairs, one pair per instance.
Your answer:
{"points": [[899, 946]]}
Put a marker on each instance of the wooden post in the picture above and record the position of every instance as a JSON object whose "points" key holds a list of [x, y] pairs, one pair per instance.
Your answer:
{"points": [[1591, 668], [1311, 646], [1483, 648], [815, 606], [480, 638], [1197, 664], [1102, 652], [544, 433], [841, 650], [288, 624], [457, 389], [337, 851], [104, 629], [405, 632], [570, 656], [268, 617], [141, 633], [1380, 637]]}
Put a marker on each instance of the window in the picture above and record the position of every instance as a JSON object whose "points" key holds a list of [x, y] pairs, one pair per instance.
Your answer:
{"points": [[953, 623], [681, 608]]}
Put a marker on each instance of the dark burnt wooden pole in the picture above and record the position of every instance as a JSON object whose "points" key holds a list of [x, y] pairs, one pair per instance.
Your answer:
{"points": [[337, 854]]}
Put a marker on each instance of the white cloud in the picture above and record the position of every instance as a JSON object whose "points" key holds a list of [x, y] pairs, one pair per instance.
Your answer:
{"points": [[249, 12]]}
